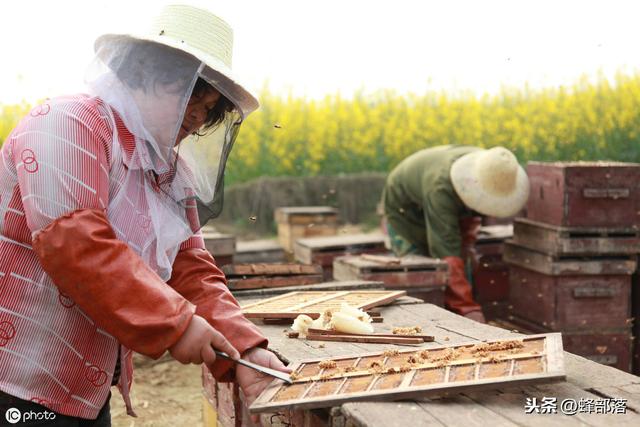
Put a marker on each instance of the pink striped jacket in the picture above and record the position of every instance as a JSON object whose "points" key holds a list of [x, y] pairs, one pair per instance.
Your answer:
{"points": [[50, 351]]}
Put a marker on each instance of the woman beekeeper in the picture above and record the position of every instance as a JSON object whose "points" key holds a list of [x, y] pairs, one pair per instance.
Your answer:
{"points": [[101, 199]]}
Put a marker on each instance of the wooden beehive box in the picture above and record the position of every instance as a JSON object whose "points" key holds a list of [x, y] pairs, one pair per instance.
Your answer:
{"points": [[221, 246], [256, 251], [491, 279], [571, 302], [584, 194], [635, 321], [323, 250], [407, 374], [304, 221], [556, 240], [491, 275], [271, 275], [422, 277], [314, 303]]}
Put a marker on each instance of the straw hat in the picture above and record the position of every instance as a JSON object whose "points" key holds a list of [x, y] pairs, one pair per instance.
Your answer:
{"points": [[202, 34], [491, 182]]}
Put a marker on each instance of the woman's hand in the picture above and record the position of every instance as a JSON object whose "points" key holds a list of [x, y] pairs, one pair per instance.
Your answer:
{"points": [[253, 382], [195, 344]]}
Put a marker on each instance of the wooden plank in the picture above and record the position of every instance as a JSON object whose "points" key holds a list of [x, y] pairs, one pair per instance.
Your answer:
{"points": [[425, 338], [275, 269], [284, 214], [364, 264], [368, 414], [319, 300], [556, 266], [334, 243], [510, 404], [462, 411], [343, 285], [364, 339], [274, 282], [381, 259], [382, 299], [315, 303]]}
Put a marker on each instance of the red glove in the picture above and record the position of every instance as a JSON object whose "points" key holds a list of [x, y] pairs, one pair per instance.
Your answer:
{"points": [[111, 283], [197, 278], [458, 297], [469, 228]]}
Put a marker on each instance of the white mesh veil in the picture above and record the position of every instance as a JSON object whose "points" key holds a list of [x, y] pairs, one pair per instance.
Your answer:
{"points": [[176, 184]]}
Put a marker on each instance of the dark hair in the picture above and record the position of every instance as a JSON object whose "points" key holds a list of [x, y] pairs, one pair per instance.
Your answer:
{"points": [[145, 65], [216, 115]]}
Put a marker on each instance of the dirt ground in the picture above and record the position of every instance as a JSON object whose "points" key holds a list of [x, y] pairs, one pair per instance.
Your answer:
{"points": [[165, 393]]}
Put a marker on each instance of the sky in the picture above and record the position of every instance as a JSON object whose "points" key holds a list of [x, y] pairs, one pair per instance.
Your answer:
{"points": [[314, 48]]}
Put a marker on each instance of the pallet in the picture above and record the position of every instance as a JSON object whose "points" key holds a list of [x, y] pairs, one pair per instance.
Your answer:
{"points": [[584, 194], [556, 240], [421, 277], [559, 265], [571, 302], [323, 250], [406, 374]]}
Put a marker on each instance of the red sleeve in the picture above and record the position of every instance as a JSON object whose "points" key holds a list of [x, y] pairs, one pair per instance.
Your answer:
{"points": [[200, 281]]}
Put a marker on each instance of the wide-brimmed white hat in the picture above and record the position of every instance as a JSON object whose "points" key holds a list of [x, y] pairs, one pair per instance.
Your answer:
{"points": [[201, 34], [491, 182]]}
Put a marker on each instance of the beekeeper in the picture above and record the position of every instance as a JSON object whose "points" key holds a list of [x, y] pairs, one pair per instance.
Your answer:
{"points": [[433, 203], [102, 196]]}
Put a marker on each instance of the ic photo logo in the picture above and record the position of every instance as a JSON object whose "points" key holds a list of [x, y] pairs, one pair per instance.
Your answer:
{"points": [[13, 415]]}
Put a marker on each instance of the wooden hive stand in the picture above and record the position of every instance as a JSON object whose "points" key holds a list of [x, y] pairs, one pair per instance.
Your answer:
{"points": [[422, 277], [323, 250]]}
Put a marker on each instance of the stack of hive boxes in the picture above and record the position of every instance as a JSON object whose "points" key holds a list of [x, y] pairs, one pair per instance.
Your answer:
{"points": [[491, 276], [295, 222], [572, 258]]}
